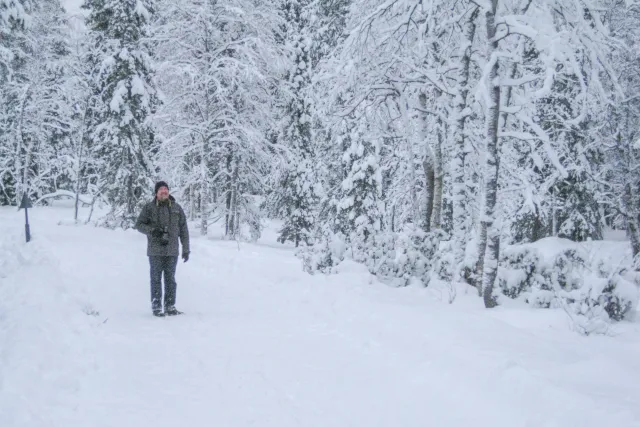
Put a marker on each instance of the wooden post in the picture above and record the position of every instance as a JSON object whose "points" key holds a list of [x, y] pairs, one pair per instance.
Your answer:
{"points": [[26, 204]]}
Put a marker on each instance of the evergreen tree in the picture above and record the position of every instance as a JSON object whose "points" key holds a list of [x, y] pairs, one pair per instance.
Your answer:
{"points": [[329, 23], [125, 82], [13, 17], [297, 194], [358, 213]]}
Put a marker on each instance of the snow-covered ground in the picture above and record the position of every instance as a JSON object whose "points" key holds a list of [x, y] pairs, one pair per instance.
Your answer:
{"points": [[264, 344]]}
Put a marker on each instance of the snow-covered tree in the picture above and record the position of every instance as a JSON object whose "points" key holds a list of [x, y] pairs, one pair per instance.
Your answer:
{"points": [[359, 213], [297, 193], [37, 112], [620, 175], [219, 62], [513, 83], [82, 94], [125, 81], [419, 137], [14, 17]]}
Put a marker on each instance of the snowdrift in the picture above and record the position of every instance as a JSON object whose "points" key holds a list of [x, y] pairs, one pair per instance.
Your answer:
{"points": [[43, 348]]}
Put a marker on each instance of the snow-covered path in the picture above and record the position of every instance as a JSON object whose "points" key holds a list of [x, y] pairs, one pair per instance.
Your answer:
{"points": [[264, 344]]}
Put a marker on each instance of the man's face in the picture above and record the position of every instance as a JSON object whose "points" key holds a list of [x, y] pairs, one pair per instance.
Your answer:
{"points": [[163, 193]]}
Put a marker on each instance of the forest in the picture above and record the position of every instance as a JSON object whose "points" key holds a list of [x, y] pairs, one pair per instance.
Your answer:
{"points": [[429, 140]]}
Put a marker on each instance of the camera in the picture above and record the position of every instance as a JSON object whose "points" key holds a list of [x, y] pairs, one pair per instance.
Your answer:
{"points": [[164, 240]]}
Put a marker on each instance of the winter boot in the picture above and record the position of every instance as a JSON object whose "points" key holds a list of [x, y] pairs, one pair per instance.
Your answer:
{"points": [[171, 311]]}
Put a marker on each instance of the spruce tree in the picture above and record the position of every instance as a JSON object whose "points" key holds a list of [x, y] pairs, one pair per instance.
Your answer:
{"points": [[359, 213], [298, 193], [125, 84]]}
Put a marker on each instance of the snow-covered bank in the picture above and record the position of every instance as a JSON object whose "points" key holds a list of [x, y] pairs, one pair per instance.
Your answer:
{"points": [[46, 323], [264, 343], [594, 281]]}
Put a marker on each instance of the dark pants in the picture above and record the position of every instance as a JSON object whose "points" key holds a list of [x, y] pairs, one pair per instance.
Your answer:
{"points": [[166, 265]]}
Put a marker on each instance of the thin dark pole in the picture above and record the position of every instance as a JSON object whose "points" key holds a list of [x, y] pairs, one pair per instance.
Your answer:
{"points": [[26, 225]]}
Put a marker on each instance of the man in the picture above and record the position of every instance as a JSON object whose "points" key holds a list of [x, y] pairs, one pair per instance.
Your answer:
{"points": [[163, 221]]}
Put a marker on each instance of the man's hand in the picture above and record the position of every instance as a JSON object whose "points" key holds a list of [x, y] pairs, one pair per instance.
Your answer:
{"points": [[157, 233], [185, 256]]}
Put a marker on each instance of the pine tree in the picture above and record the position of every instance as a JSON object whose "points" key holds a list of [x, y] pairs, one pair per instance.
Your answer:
{"points": [[125, 82]]}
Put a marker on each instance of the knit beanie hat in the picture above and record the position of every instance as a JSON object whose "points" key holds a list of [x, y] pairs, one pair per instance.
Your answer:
{"points": [[160, 184]]}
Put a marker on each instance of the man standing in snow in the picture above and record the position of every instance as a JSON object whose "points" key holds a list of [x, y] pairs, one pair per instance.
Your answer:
{"points": [[163, 221]]}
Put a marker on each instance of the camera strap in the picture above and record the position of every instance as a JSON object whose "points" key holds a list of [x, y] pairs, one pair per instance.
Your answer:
{"points": [[157, 215]]}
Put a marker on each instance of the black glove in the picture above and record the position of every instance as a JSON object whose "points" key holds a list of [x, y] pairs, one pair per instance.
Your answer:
{"points": [[157, 233], [185, 256]]}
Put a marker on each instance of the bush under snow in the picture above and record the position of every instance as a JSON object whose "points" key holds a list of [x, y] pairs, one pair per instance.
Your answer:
{"points": [[325, 255], [558, 273], [395, 258]]}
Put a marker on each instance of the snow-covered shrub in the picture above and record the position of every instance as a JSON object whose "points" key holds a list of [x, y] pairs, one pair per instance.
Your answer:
{"points": [[395, 258], [253, 219], [376, 253], [564, 274], [443, 262], [517, 272], [406, 255], [618, 297], [325, 255], [566, 278]]}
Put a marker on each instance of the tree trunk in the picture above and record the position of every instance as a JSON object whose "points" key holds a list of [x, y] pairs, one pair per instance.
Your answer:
{"points": [[409, 157], [80, 168], [234, 214], [631, 217], [629, 199], [430, 178], [554, 217], [204, 190], [460, 211], [192, 202], [20, 174], [427, 165], [489, 242], [436, 216], [229, 197], [79, 177], [538, 231]]}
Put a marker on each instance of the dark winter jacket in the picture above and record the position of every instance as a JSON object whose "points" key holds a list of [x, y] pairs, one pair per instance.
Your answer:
{"points": [[155, 216]]}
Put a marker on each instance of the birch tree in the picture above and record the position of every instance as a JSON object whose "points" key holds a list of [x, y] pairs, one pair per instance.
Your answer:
{"points": [[563, 32]]}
